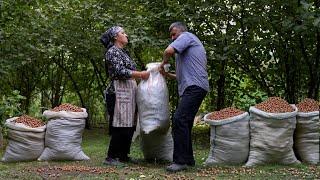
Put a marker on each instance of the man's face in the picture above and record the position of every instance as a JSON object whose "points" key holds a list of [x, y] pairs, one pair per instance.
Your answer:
{"points": [[175, 33]]}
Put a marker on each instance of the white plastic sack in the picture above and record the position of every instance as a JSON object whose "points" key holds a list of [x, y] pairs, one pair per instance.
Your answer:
{"points": [[271, 137], [157, 146], [137, 131], [153, 101], [306, 137], [229, 140], [64, 136], [25, 143], [154, 116], [65, 114]]}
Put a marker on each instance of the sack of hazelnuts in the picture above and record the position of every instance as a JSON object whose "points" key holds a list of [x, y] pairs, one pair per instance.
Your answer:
{"points": [[306, 135], [272, 124], [64, 133], [26, 139], [229, 136]]}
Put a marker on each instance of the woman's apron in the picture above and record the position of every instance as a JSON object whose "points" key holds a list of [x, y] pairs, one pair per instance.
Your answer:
{"points": [[125, 105]]}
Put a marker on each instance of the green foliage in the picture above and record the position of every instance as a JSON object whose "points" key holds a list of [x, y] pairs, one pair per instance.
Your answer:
{"points": [[50, 50], [247, 95], [9, 107], [201, 134]]}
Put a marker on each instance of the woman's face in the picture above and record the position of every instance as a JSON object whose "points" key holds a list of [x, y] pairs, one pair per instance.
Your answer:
{"points": [[122, 37]]}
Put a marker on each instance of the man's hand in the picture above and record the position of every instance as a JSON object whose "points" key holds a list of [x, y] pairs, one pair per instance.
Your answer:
{"points": [[166, 74], [162, 65], [162, 71], [169, 52]]}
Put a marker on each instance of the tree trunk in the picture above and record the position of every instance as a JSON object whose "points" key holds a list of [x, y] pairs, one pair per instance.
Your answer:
{"points": [[1, 138], [43, 101], [26, 102], [221, 87], [290, 68], [314, 85], [77, 89], [317, 64]]}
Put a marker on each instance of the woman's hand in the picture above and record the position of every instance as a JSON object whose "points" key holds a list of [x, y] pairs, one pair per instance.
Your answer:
{"points": [[140, 75], [144, 75]]}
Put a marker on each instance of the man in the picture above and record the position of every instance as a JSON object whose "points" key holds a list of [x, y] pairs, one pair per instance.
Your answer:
{"points": [[193, 85]]}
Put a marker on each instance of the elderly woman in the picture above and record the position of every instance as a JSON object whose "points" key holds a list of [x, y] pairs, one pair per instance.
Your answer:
{"points": [[120, 95]]}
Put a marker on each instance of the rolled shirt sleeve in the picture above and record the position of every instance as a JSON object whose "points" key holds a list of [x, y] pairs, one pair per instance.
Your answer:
{"points": [[181, 43]]}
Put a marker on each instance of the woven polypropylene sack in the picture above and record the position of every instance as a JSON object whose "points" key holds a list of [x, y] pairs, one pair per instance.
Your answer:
{"points": [[271, 137], [153, 102], [153, 108], [64, 136], [229, 140], [25, 143], [306, 137], [157, 146]]}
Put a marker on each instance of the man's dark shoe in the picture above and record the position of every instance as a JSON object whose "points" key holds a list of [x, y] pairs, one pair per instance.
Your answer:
{"points": [[176, 167], [129, 160], [133, 160], [191, 164], [112, 162]]}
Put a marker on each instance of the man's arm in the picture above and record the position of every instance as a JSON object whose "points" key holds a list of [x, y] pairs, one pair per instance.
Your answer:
{"points": [[171, 75], [169, 52]]}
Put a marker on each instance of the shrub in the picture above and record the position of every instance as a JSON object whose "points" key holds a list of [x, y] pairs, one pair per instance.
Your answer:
{"points": [[9, 107]]}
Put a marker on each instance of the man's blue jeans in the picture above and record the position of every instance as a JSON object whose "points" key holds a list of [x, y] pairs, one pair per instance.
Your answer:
{"points": [[182, 124]]}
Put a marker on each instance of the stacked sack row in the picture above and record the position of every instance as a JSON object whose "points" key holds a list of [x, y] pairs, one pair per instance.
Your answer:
{"points": [[274, 132], [59, 139]]}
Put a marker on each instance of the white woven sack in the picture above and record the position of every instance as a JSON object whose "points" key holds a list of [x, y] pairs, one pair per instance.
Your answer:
{"points": [[25, 143], [64, 136], [229, 140], [271, 137], [65, 114], [306, 137], [153, 101], [157, 146]]}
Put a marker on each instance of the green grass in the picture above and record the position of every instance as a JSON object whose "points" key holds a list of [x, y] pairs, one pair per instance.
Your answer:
{"points": [[95, 144]]}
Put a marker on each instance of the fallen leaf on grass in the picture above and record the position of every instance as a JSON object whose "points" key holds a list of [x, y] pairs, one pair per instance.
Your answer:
{"points": [[56, 171], [214, 171]]}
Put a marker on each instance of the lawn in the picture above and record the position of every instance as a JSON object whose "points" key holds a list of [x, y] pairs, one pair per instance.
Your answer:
{"points": [[95, 143]]}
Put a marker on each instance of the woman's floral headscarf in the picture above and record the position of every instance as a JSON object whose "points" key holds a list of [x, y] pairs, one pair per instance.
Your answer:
{"points": [[107, 37]]}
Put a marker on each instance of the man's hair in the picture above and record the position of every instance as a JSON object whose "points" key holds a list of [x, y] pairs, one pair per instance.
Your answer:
{"points": [[178, 25]]}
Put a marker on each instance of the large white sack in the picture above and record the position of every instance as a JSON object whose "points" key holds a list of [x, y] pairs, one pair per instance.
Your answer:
{"points": [[65, 114], [154, 116], [25, 143], [157, 146], [306, 137], [153, 101], [64, 136], [229, 140], [271, 137], [137, 131]]}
